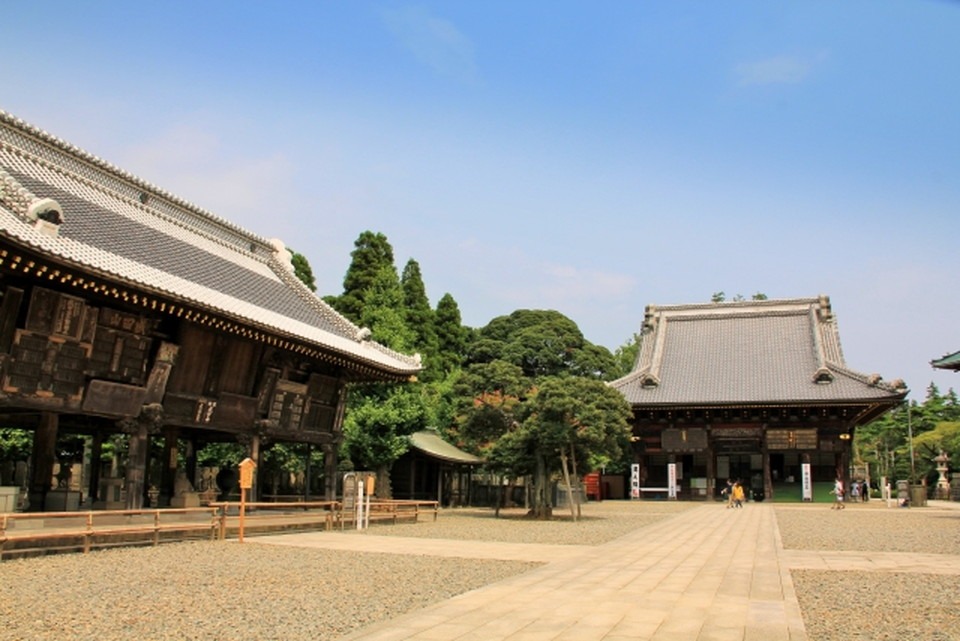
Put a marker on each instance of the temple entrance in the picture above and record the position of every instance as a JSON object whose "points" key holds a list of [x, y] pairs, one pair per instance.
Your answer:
{"points": [[745, 466]]}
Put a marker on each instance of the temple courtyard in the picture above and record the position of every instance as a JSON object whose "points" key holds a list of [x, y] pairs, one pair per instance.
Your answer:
{"points": [[626, 570]]}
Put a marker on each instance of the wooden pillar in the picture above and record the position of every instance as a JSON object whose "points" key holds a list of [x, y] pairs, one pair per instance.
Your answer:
{"points": [[43, 457], [137, 451], [307, 473], [96, 451], [168, 470], [767, 475], [253, 452], [711, 473], [191, 458], [330, 472]]}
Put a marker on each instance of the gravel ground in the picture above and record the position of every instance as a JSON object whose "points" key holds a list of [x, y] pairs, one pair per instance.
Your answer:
{"points": [[599, 523], [215, 591], [875, 606], [870, 527], [869, 606], [219, 592]]}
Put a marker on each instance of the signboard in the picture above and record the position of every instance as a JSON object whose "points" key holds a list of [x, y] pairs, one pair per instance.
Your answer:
{"points": [[671, 480], [687, 439], [799, 439], [805, 481], [246, 473], [635, 481]]}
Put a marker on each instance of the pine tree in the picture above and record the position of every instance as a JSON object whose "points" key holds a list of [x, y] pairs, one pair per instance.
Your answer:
{"points": [[302, 270], [419, 315], [383, 312], [372, 253], [451, 335]]}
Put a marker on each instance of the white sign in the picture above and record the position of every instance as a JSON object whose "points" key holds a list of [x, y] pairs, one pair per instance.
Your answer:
{"points": [[672, 480], [635, 481], [806, 482]]}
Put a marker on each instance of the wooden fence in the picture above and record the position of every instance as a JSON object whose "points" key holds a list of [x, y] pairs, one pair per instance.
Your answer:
{"points": [[33, 532]]}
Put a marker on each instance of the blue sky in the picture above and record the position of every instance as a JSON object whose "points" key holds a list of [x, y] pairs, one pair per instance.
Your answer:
{"points": [[587, 157]]}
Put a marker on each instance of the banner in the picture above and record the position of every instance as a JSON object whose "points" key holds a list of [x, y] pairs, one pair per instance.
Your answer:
{"points": [[806, 482], [671, 480], [635, 481]]}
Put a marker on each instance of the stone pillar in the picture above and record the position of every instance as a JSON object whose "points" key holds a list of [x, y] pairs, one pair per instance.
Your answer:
{"points": [[43, 457]]}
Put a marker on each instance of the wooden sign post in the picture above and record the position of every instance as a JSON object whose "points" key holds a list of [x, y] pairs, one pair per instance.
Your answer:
{"points": [[246, 482]]}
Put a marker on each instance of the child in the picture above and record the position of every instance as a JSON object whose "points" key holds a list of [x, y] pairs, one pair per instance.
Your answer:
{"points": [[737, 494]]}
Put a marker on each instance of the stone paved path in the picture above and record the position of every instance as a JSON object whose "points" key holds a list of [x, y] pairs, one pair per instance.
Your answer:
{"points": [[707, 574]]}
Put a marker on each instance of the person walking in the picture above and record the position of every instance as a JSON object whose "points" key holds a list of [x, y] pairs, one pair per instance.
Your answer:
{"points": [[737, 494], [728, 492], [838, 491]]}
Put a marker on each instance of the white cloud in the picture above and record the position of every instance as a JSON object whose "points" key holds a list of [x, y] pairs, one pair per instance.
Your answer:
{"points": [[776, 70], [433, 41]]}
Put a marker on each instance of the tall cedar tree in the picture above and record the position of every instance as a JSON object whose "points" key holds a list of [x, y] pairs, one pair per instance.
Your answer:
{"points": [[451, 335], [372, 253], [302, 270], [420, 317]]}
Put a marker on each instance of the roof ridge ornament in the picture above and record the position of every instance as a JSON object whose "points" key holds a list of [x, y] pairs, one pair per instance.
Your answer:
{"points": [[823, 376]]}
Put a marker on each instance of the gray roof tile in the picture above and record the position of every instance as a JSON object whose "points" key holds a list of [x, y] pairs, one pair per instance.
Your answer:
{"points": [[746, 352], [135, 233]]}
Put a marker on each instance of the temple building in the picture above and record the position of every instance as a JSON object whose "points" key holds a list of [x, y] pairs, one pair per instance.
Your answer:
{"points": [[950, 361], [748, 390], [434, 470], [125, 309]]}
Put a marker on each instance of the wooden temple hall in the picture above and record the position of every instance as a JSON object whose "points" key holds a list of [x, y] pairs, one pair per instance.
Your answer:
{"points": [[747, 390], [126, 310]]}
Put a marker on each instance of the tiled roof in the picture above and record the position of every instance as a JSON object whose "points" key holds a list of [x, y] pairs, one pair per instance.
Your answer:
{"points": [[950, 361], [123, 228], [771, 351], [430, 443]]}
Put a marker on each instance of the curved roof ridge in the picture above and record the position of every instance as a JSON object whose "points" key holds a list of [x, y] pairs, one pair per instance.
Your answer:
{"points": [[266, 248], [873, 380], [350, 329], [122, 175], [14, 195], [767, 302]]}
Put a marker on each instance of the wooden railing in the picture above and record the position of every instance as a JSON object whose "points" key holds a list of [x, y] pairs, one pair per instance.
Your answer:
{"points": [[29, 532], [22, 533], [263, 515], [396, 510]]}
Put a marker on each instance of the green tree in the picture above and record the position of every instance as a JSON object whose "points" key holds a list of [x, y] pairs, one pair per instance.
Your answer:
{"points": [[626, 355], [376, 426], [542, 343], [383, 312], [372, 253], [451, 336], [420, 317], [568, 419], [302, 270]]}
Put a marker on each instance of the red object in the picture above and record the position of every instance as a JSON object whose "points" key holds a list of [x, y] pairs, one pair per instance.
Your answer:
{"points": [[591, 484]]}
